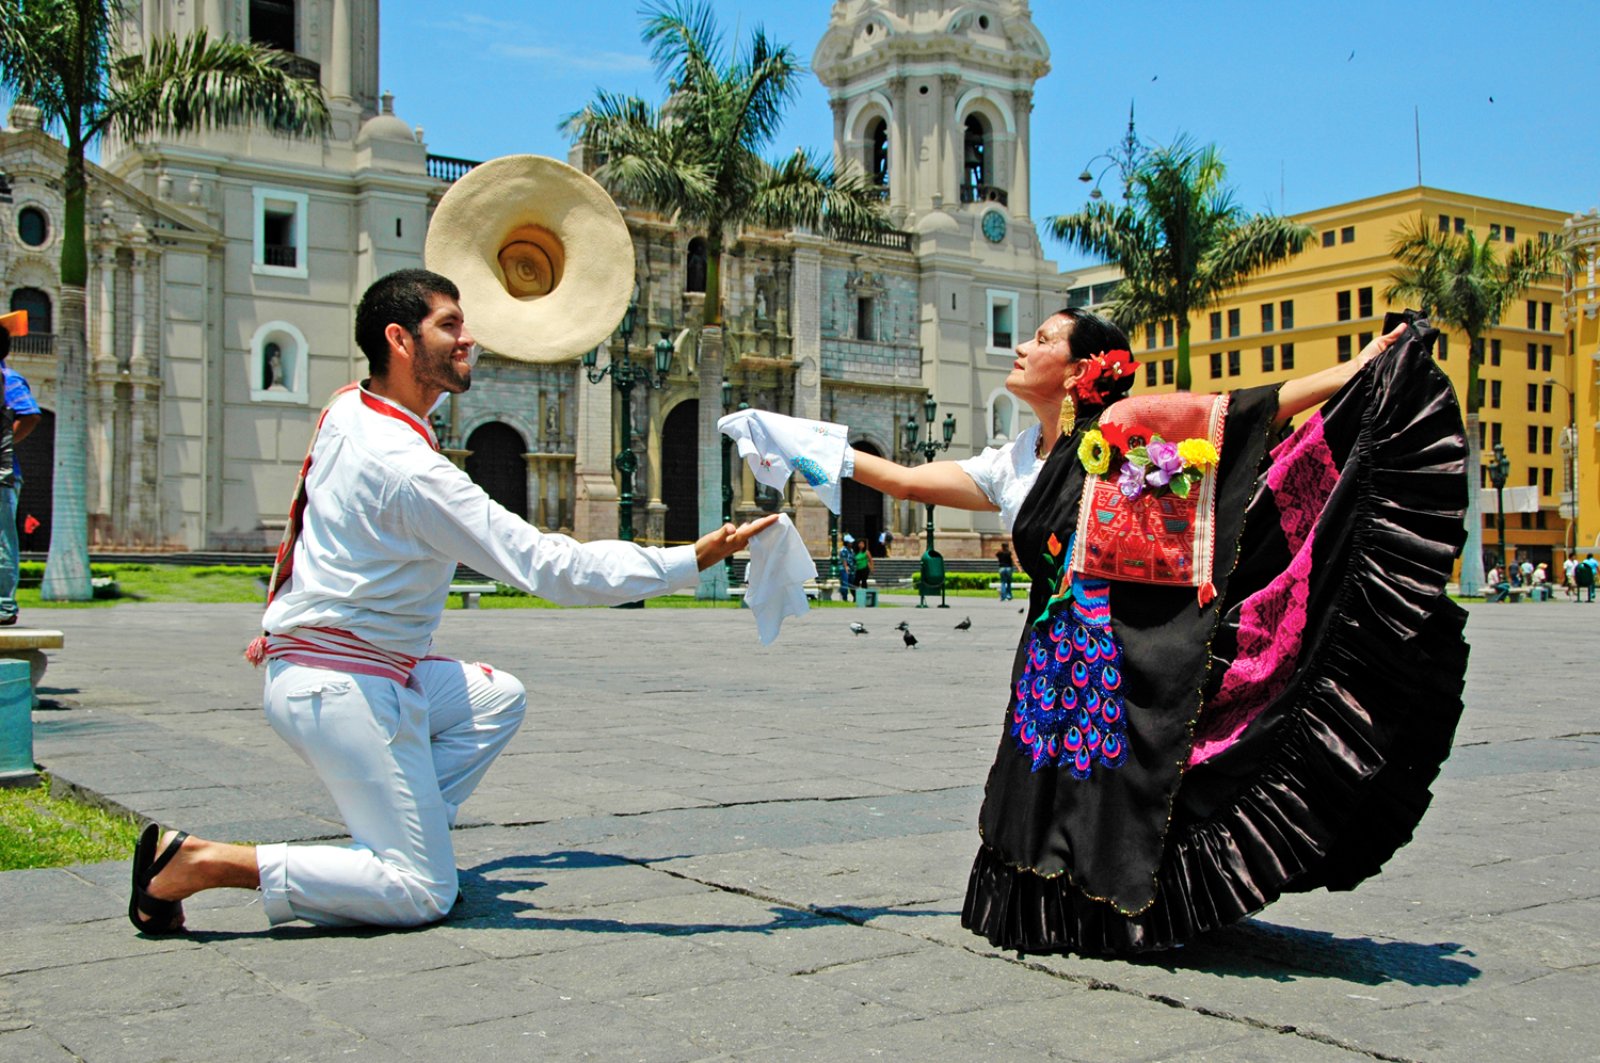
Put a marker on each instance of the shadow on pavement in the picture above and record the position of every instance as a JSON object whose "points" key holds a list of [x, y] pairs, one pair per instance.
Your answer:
{"points": [[1257, 949]]}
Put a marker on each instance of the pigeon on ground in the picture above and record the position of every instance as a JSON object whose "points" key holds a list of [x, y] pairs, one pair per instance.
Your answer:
{"points": [[902, 626], [965, 625], [911, 640], [857, 628]]}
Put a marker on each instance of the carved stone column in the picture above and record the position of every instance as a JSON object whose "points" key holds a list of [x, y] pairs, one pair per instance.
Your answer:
{"points": [[595, 493], [1022, 111]]}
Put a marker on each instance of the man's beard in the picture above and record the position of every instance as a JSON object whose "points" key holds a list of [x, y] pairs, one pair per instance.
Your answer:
{"points": [[439, 371]]}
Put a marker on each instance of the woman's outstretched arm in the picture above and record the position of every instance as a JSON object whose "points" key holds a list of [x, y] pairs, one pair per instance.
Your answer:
{"points": [[943, 483], [1302, 393]]}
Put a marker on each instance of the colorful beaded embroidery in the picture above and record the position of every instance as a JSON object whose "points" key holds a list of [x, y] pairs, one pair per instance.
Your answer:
{"points": [[1069, 709]]}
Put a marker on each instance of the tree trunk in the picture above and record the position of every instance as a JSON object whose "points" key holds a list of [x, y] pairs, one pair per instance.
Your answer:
{"points": [[66, 572], [712, 312], [1185, 379]]}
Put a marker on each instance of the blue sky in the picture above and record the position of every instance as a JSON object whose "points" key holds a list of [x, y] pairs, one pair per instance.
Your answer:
{"points": [[1311, 103]]}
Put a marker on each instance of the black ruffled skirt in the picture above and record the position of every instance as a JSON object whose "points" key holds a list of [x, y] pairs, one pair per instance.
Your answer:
{"points": [[1328, 703]]}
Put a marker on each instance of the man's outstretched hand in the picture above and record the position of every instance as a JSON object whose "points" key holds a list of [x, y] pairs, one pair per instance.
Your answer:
{"points": [[728, 540]]}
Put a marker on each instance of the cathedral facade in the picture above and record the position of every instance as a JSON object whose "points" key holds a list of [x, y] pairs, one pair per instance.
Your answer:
{"points": [[226, 267]]}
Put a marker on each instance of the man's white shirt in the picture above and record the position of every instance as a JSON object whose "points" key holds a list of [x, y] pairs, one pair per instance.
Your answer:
{"points": [[387, 518]]}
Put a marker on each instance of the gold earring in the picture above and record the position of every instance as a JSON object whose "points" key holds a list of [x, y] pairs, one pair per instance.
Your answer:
{"points": [[1069, 414]]}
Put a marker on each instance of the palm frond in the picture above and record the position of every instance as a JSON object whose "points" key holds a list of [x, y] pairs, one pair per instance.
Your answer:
{"points": [[54, 55], [801, 191], [1260, 242], [193, 83]]}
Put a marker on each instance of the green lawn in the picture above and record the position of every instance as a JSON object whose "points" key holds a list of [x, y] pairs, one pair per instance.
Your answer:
{"points": [[37, 830]]}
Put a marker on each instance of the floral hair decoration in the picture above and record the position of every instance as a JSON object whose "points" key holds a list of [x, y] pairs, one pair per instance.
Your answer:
{"points": [[1101, 372]]}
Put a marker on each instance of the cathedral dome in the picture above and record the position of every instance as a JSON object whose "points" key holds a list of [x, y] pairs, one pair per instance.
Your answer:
{"points": [[385, 125], [937, 221]]}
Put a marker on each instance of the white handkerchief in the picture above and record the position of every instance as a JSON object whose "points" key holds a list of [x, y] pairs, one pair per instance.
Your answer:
{"points": [[776, 578], [776, 445]]}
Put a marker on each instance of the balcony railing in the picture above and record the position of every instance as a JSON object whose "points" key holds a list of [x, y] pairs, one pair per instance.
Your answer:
{"points": [[278, 255], [889, 239], [880, 193], [298, 66], [983, 194], [37, 343], [448, 169]]}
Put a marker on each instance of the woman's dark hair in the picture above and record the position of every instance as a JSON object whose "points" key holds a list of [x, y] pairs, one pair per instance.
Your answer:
{"points": [[1092, 334], [400, 298]]}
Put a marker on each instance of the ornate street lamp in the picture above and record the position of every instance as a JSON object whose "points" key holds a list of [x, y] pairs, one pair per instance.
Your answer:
{"points": [[1124, 158], [624, 375], [1499, 469], [1569, 450], [930, 447]]}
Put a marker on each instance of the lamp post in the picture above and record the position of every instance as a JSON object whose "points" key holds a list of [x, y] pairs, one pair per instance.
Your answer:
{"points": [[1569, 448], [624, 375], [1125, 157], [1499, 469], [930, 446], [727, 468]]}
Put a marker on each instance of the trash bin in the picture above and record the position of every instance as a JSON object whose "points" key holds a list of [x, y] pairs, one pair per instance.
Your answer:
{"points": [[930, 578], [866, 597], [16, 724]]}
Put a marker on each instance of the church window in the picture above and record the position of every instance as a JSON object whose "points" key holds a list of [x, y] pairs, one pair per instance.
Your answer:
{"points": [[866, 323], [1002, 321], [280, 233], [37, 303], [272, 23], [33, 228], [695, 267], [976, 159], [879, 169]]}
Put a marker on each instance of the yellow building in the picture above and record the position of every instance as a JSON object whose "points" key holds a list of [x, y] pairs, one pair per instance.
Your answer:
{"points": [[1326, 303], [1582, 321]]}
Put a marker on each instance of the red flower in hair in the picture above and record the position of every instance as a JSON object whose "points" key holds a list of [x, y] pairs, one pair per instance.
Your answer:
{"points": [[1100, 372]]}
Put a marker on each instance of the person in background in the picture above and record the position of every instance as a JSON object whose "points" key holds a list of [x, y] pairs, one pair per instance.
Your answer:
{"points": [[1008, 569], [17, 420]]}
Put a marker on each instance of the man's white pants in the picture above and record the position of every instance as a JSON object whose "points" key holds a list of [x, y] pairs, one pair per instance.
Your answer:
{"points": [[398, 761]]}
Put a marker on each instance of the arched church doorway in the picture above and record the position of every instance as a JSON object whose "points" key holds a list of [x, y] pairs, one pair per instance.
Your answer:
{"points": [[36, 459], [861, 507], [680, 472], [497, 466]]}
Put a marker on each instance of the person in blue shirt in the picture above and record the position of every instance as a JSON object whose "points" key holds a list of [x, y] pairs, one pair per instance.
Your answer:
{"points": [[18, 419]]}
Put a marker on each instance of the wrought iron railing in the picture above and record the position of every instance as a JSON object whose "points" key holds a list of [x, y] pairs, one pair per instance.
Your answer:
{"points": [[446, 168], [983, 194], [888, 239], [278, 255], [34, 343]]}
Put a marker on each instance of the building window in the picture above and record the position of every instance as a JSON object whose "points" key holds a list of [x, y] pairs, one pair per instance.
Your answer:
{"points": [[1547, 356], [1149, 374], [1533, 398], [280, 244], [1443, 346], [36, 302], [1544, 317], [1267, 360], [1494, 231], [1444, 223], [1341, 306], [1233, 323], [1347, 235], [1538, 519], [1286, 314], [1533, 314], [1216, 324], [272, 23], [865, 325], [1169, 370], [33, 226], [1549, 394], [1166, 333], [1461, 226], [1327, 238], [1494, 394], [1483, 427], [277, 364], [1533, 439], [1286, 356], [1533, 356], [1511, 234], [1483, 389], [1362, 340], [1549, 438], [1363, 302], [1342, 344], [878, 136], [1494, 352], [1266, 317], [694, 266], [1216, 366], [1002, 321], [1548, 478], [1149, 337], [1494, 434], [976, 157], [1233, 363]]}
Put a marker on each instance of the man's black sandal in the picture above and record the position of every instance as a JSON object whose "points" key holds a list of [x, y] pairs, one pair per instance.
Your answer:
{"points": [[161, 917]]}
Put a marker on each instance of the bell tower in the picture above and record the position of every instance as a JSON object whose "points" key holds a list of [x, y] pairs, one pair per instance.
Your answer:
{"points": [[932, 99]]}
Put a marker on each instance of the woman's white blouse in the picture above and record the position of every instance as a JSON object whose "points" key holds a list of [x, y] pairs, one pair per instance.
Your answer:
{"points": [[1006, 474]]}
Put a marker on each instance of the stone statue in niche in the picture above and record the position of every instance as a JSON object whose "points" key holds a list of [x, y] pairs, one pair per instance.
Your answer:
{"points": [[552, 423], [272, 371], [1001, 418]]}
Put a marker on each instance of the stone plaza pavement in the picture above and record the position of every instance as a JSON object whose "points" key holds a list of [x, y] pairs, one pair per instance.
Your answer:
{"points": [[698, 848]]}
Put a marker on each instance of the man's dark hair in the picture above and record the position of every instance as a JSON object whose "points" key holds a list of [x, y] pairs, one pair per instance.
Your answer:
{"points": [[1092, 334], [5, 344], [401, 298]]}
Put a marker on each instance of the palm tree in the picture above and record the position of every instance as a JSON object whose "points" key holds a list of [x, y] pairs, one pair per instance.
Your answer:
{"points": [[60, 57], [1462, 284], [698, 155], [1179, 239]]}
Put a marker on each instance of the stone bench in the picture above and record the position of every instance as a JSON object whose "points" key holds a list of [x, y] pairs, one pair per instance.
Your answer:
{"points": [[28, 644], [470, 591]]}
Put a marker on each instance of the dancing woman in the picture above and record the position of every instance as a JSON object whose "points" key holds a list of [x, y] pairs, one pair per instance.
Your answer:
{"points": [[1239, 671]]}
